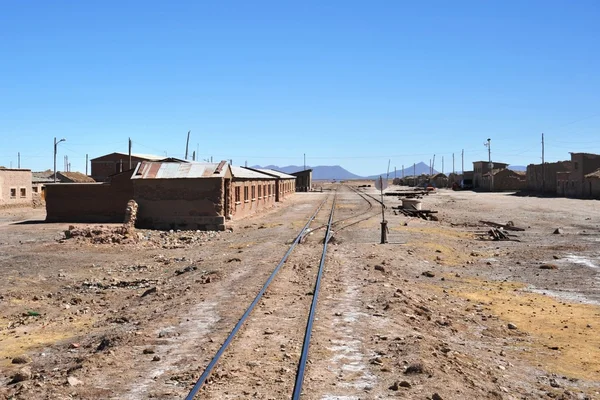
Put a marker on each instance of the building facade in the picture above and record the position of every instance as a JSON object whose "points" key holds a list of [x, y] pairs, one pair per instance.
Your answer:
{"points": [[15, 188], [480, 168], [575, 183], [303, 180], [110, 164], [543, 178]]}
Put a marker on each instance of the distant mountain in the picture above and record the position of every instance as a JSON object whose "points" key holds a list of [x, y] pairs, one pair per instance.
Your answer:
{"points": [[418, 169], [324, 172], [517, 167]]}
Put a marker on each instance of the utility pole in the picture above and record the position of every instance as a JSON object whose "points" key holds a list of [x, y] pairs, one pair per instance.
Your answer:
{"points": [[245, 163], [86, 164], [442, 164], [19, 160], [130, 166], [453, 170], [388, 170], [543, 167], [305, 161], [194, 156], [490, 165], [187, 143], [463, 163]]}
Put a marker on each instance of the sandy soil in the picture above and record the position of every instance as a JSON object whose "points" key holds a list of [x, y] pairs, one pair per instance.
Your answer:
{"points": [[426, 316]]}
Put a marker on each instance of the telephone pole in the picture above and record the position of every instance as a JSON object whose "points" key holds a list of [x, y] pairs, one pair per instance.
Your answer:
{"points": [[453, 170], [490, 165], [463, 163], [187, 144], [129, 154], [543, 167], [55, 148], [86, 164]]}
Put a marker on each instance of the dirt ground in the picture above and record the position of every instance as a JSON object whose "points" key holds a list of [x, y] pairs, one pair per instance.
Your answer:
{"points": [[440, 312]]}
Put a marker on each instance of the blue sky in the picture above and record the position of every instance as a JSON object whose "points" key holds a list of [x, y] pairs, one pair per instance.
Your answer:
{"points": [[346, 82]]}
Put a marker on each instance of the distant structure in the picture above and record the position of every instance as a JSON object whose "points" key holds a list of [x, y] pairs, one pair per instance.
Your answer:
{"points": [[114, 163], [480, 168], [303, 180], [15, 187]]}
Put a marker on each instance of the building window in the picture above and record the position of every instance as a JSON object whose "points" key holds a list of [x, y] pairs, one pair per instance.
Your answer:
{"points": [[269, 190], [23, 192], [253, 193], [35, 189], [13, 193], [237, 194], [246, 198], [575, 165], [259, 191]]}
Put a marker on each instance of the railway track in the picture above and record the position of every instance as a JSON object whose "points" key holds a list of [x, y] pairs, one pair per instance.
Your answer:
{"points": [[260, 299]]}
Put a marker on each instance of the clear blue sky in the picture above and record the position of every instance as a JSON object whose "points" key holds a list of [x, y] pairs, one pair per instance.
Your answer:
{"points": [[346, 82]]}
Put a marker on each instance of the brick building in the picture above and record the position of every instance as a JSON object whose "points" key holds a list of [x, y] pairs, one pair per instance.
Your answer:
{"points": [[251, 191], [504, 180], [543, 178], [480, 168], [576, 182], [285, 183], [15, 188], [104, 166], [303, 180]]}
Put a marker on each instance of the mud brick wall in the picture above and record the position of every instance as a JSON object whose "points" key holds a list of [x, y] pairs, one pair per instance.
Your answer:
{"points": [[549, 176], [88, 202], [17, 180], [242, 206], [180, 203]]}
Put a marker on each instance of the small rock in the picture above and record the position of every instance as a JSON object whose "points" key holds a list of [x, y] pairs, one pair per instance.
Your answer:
{"points": [[553, 383], [149, 350], [24, 374], [74, 381], [156, 358], [235, 259], [21, 360], [548, 266], [428, 274], [511, 326], [556, 257], [380, 268], [558, 231], [149, 291], [269, 331], [436, 397], [404, 384]]}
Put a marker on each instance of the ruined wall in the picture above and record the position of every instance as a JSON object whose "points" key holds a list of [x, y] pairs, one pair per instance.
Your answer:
{"points": [[88, 202], [242, 205], [15, 188], [180, 203], [535, 177]]}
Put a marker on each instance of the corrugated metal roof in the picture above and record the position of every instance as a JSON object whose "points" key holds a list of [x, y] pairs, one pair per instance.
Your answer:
{"points": [[179, 170], [244, 173], [272, 172]]}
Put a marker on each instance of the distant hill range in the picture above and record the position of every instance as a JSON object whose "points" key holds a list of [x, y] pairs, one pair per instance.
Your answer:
{"points": [[330, 172]]}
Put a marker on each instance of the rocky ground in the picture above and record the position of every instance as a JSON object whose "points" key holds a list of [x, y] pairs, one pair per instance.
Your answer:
{"points": [[440, 312]]}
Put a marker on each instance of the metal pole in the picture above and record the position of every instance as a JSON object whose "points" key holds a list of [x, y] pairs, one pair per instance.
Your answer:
{"points": [[187, 143], [305, 161], [129, 153], [543, 167], [54, 160], [490, 166], [463, 162]]}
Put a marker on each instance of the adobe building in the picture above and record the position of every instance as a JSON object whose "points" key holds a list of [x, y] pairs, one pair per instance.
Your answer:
{"points": [[114, 163], [592, 181], [252, 191], [439, 180], [15, 188], [543, 178], [576, 182], [505, 180], [303, 180], [480, 168], [90, 201], [285, 184]]}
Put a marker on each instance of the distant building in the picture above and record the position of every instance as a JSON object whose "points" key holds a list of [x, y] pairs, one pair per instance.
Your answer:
{"points": [[592, 181], [504, 180], [303, 180], [104, 166], [439, 180], [480, 168], [576, 182], [286, 183], [15, 188], [543, 178]]}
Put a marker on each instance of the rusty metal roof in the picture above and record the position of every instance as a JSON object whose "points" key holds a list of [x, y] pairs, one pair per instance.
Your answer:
{"points": [[179, 170]]}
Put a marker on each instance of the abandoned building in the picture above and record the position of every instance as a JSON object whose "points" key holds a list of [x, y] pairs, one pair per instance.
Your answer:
{"points": [[439, 180], [576, 182], [504, 180], [104, 166], [285, 184], [542, 178], [480, 168], [303, 180], [15, 187], [171, 194], [592, 181]]}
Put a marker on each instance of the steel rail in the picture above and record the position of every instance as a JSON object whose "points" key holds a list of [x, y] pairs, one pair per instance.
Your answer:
{"points": [[239, 324], [311, 315]]}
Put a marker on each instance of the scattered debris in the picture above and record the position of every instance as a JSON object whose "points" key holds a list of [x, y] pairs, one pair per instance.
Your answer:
{"points": [[509, 226]]}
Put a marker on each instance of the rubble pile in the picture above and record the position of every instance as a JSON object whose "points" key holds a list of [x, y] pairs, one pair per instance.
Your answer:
{"points": [[100, 234]]}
